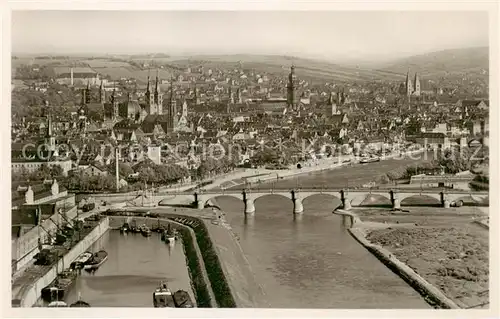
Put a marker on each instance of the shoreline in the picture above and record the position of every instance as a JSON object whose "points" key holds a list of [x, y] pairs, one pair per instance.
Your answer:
{"points": [[434, 296]]}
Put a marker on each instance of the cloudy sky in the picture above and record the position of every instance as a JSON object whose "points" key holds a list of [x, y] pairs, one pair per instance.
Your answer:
{"points": [[321, 34]]}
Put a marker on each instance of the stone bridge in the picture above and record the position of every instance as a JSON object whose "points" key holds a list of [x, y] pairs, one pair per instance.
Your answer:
{"points": [[349, 198]]}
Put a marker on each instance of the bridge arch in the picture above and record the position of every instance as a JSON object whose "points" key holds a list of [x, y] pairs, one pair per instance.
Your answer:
{"points": [[213, 197], [328, 200], [373, 199], [261, 197], [423, 199]]}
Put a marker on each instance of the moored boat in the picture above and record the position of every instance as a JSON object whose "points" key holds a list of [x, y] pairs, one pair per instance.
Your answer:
{"points": [[145, 231], [79, 303], [168, 235], [57, 304], [97, 260], [81, 260], [162, 297], [125, 228], [58, 289], [182, 299]]}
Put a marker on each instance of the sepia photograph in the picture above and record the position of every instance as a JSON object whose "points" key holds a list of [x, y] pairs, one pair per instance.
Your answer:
{"points": [[250, 159]]}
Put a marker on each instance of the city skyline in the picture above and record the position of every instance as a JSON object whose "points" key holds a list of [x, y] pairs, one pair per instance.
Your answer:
{"points": [[325, 35]]}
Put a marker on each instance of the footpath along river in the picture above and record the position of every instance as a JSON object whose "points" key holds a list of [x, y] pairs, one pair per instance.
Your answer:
{"points": [[313, 262]]}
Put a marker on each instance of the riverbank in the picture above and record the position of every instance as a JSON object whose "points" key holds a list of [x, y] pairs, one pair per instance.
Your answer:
{"points": [[443, 254], [27, 286]]}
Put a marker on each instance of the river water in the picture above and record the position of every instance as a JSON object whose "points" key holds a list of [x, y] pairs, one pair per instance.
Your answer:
{"points": [[134, 269], [306, 262], [312, 261]]}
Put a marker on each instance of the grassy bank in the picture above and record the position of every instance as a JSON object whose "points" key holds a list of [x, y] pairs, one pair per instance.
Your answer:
{"points": [[199, 286], [448, 251], [213, 267]]}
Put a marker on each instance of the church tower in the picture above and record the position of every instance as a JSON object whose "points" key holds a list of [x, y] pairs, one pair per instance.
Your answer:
{"points": [[238, 96], [408, 85], [115, 104], [332, 104], [172, 112], [87, 93], [50, 141], [148, 97], [102, 93], [292, 79], [417, 85], [158, 96]]}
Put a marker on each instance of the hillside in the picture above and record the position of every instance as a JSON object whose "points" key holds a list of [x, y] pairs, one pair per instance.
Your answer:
{"points": [[451, 64], [436, 64]]}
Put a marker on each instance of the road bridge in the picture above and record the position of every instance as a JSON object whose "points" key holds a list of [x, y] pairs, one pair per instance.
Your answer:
{"points": [[349, 198]]}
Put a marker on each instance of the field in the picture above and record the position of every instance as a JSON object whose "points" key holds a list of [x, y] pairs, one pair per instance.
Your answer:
{"points": [[437, 65], [443, 246]]}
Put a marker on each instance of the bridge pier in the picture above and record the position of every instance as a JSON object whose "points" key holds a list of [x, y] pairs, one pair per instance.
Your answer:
{"points": [[249, 204], [444, 200], [199, 201], [346, 202], [396, 203], [298, 208]]}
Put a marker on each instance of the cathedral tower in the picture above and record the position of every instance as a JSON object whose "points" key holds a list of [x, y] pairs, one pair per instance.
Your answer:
{"points": [[408, 84], [102, 93], [292, 79], [416, 92], [158, 96]]}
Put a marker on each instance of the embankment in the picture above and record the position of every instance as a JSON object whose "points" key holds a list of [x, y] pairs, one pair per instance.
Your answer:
{"points": [[200, 283], [30, 295], [26, 246], [431, 294]]}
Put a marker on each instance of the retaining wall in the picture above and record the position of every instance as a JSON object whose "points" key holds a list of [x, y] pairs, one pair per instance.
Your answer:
{"points": [[32, 294], [26, 246]]}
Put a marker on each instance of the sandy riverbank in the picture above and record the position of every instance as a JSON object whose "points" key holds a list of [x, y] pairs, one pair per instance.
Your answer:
{"points": [[443, 247]]}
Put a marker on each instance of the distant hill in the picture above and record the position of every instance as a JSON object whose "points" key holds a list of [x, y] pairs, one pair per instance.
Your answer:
{"points": [[431, 66], [435, 64], [306, 68]]}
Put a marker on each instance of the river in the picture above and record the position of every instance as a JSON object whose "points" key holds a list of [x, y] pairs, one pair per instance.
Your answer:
{"points": [[135, 267], [312, 261]]}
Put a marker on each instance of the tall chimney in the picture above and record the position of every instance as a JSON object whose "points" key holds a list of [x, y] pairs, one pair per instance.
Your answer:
{"points": [[71, 76], [117, 155]]}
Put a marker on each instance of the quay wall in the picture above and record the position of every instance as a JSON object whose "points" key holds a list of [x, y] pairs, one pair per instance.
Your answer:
{"points": [[432, 294], [33, 293], [26, 246]]}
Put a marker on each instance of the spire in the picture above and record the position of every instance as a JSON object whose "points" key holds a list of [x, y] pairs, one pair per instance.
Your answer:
{"points": [[102, 93], [157, 81]]}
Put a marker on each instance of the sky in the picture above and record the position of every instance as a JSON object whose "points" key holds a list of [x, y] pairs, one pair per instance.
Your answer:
{"points": [[368, 35]]}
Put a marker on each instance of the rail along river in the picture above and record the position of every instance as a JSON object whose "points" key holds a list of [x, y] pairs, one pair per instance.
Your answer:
{"points": [[313, 262]]}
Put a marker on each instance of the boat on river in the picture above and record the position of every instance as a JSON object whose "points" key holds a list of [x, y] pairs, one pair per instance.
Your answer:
{"points": [[162, 296], [125, 228], [58, 289], [81, 260], [182, 299], [57, 304], [80, 303], [168, 235], [145, 231], [96, 261]]}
